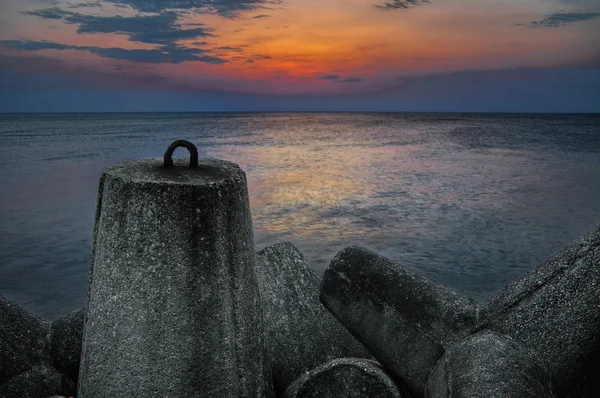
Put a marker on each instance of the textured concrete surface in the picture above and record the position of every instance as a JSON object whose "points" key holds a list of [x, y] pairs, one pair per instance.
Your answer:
{"points": [[344, 378], [555, 310], [65, 344], [38, 382], [489, 365], [301, 333], [403, 319], [23, 340], [173, 307]]}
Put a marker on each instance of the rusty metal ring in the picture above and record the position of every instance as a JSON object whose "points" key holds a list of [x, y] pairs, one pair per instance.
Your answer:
{"points": [[186, 144]]}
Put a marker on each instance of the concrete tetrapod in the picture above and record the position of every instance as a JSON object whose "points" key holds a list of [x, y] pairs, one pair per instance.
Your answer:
{"points": [[23, 340], [344, 378], [173, 307], [38, 382], [489, 365], [301, 334], [552, 312], [65, 345], [37, 358], [405, 321], [555, 310]]}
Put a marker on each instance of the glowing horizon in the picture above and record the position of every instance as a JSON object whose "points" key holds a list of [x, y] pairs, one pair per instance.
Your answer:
{"points": [[345, 49]]}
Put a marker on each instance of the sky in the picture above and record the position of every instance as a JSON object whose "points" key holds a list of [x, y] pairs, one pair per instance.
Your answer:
{"points": [[300, 55]]}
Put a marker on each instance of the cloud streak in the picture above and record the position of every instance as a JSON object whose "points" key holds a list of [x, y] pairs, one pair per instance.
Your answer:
{"points": [[161, 29], [338, 79], [224, 8], [152, 29], [166, 54], [400, 4], [86, 5], [352, 79], [563, 18]]}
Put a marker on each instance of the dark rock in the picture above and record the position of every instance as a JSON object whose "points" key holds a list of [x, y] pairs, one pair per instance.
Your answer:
{"points": [[301, 334], [588, 385], [39, 382], [173, 306], [555, 310], [344, 378], [23, 340], [65, 344], [68, 387], [489, 365], [403, 319]]}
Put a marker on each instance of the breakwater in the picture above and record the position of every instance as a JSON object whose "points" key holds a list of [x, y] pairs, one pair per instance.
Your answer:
{"points": [[180, 305]]}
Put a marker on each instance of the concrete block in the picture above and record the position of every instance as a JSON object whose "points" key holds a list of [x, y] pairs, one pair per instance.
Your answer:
{"points": [[404, 320], [65, 344], [301, 333], [489, 365], [38, 382], [173, 307], [555, 310], [23, 340], [344, 378]]}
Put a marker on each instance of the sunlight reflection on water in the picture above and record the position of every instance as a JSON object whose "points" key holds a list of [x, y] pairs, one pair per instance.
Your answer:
{"points": [[472, 201]]}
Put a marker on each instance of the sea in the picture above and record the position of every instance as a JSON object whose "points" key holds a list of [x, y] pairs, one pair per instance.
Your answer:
{"points": [[472, 201]]}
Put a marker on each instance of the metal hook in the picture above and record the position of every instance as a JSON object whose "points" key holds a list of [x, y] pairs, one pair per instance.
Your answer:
{"points": [[190, 147]]}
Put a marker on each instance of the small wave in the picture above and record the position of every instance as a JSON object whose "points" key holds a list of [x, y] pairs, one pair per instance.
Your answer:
{"points": [[71, 157]]}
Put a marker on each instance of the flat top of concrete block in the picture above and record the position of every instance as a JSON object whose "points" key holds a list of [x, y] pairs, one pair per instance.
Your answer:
{"points": [[209, 171]]}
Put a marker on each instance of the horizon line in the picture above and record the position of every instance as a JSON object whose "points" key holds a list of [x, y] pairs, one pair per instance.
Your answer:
{"points": [[299, 111]]}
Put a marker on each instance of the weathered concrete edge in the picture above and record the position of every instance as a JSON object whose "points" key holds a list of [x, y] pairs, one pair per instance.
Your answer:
{"points": [[543, 274], [400, 366]]}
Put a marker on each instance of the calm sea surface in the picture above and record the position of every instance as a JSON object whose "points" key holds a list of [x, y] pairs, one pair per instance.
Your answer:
{"points": [[469, 200]]}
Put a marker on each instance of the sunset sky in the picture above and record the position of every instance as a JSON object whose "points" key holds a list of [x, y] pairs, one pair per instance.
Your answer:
{"points": [[271, 55]]}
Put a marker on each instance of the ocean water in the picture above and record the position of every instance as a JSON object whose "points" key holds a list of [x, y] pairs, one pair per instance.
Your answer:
{"points": [[469, 200]]}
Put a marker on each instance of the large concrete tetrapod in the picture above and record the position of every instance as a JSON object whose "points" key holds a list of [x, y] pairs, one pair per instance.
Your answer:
{"points": [[173, 307]]}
